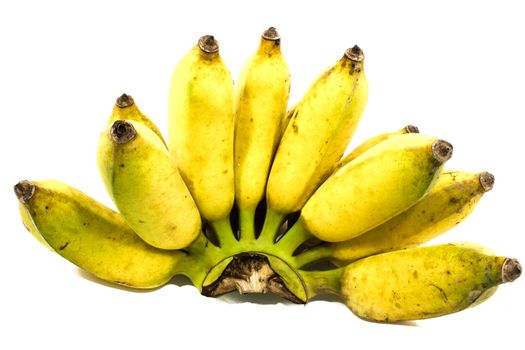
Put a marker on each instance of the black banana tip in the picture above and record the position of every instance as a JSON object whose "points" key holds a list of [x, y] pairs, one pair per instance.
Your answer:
{"points": [[208, 44], [442, 151], [24, 190], [355, 54], [124, 101], [510, 270], [122, 131], [486, 180], [412, 129], [271, 34]]}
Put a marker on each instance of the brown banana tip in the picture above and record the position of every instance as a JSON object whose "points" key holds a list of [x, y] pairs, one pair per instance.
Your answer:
{"points": [[124, 101], [122, 131], [486, 180], [24, 190], [510, 270], [442, 151], [208, 44], [271, 34], [355, 54], [412, 129]]}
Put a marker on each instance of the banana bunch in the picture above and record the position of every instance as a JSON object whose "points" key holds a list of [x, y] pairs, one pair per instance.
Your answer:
{"points": [[252, 196]]}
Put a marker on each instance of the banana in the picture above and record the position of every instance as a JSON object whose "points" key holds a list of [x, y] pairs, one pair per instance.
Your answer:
{"points": [[126, 109], [381, 183], [318, 133], [449, 202], [365, 146], [260, 104], [143, 180], [92, 236], [201, 127], [423, 282]]}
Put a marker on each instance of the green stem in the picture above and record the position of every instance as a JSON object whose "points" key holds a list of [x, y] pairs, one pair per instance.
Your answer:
{"points": [[246, 224], [224, 232], [292, 239], [311, 255], [272, 222], [319, 282]]}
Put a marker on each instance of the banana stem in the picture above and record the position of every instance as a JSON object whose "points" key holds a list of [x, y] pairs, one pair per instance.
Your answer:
{"points": [[292, 239], [312, 255], [224, 232], [319, 282], [246, 224], [272, 222]]}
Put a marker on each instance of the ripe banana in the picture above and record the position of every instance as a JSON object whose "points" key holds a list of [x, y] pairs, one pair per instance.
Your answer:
{"points": [[260, 104], [449, 202], [92, 236], [201, 130], [318, 133], [381, 183], [145, 185], [365, 146], [126, 109], [423, 282]]}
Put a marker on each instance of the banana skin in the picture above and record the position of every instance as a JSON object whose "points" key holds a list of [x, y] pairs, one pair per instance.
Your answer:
{"points": [[381, 183], [448, 203], [92, 236], [423, 282], [318, 133], [201, 127], [145, 184]]}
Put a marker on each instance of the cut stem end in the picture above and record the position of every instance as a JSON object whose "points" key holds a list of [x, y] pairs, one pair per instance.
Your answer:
{"points": [[442, 151], [122, 131], [355, 54], [486, 180], [124, 101], [271, 34], [24, 191], [412, 129], [208, 44], [510, 270]]}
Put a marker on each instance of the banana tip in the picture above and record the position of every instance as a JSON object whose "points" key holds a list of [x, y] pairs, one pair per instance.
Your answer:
{"points": [[24, 190], [510, 270], [412, 129], [355, 54], [442, 151], [486, 180], [122, 131], [208, 44], [271, 34], [124, 101]]}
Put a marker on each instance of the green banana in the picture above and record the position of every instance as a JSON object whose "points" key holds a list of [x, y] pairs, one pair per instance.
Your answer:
{"points": [[201, 128], [449, 202], [92, 236], [145, 185], [365, 146], [318, 133], [423, 282], [261, 99], [126, 109], [381, 183]]}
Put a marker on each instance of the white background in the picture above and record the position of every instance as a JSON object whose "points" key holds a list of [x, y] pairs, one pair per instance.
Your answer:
{"points": [[455, 69]]}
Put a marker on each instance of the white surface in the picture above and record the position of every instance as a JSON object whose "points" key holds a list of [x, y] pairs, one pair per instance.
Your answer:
{"points": [[454, 69]]}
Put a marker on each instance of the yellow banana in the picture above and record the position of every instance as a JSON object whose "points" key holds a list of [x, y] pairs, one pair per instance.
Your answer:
{"points": [[365, 146], [381, 183], [201, 130], [126, 109], [449, 202], [92, 236], [143, 180], [260, 103], [423, 282], [318, 133]]}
